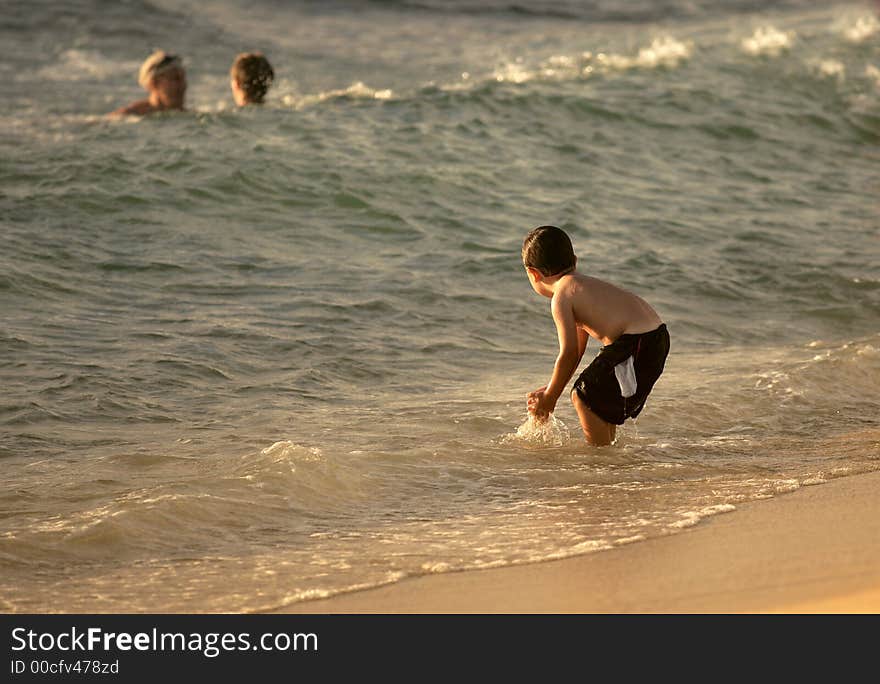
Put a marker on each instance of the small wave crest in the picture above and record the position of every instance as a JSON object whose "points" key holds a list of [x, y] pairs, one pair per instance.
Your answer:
{"points": [[862, 29], [767, 41], [277, 463], [662, 52], [824, 384], [691, 518], [828, 68], [356, 91], [286, 451], [303, 478]]}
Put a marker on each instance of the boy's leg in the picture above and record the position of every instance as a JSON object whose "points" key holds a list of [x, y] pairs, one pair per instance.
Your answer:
{"points": [[596, 431]]}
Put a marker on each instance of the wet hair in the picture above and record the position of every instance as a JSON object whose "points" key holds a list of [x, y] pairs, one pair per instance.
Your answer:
{"points": [[548, 249], [254, 75], [157, 63]]}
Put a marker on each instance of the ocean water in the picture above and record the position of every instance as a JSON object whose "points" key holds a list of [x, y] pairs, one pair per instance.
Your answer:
{"points": [[256, 357]]}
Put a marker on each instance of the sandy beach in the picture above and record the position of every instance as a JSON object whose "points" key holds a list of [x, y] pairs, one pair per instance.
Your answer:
{"points": [[814, 550]]}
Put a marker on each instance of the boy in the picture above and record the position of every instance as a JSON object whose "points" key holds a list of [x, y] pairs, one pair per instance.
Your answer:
{"points": [[616, 384], [250, 78], [163, 77]]}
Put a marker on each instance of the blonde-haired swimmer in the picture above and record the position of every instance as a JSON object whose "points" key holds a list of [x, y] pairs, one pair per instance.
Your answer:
{"points": [[164, 78], [250, 78]]}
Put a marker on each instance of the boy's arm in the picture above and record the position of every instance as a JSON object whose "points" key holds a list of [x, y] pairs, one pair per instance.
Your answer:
{"points": [[572, 343], [138, 108]]}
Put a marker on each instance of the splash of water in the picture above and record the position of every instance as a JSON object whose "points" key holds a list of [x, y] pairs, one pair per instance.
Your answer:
{"points": [[549, 432]]}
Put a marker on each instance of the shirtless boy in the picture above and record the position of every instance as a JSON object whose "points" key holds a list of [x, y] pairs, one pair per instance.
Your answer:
{"points": [[635, 341]]}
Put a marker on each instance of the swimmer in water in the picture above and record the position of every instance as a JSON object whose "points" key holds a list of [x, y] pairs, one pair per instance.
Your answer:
{"points": [[164, 78], [250, 78]]}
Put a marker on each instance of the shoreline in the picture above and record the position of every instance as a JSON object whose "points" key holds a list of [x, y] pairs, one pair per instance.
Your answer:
{"points": [[813, 550]]}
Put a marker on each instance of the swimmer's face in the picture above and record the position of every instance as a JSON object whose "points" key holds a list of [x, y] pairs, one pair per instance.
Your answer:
{"points": [[171, 87], [238, 93]]}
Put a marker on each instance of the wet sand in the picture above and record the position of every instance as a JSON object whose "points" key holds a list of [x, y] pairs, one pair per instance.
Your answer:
{"points": [[814, 550]]}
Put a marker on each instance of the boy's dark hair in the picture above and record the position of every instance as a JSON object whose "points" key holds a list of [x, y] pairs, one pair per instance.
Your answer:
{"points": [[254, 74], [548, 249]]}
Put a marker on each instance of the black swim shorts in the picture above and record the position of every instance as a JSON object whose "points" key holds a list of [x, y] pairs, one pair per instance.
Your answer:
{"points": [[600, 387]]}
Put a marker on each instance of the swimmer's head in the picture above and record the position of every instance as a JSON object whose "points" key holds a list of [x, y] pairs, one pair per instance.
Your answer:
{"points": [[548, 250], [158, 64], [164, 77], [250, 78]]}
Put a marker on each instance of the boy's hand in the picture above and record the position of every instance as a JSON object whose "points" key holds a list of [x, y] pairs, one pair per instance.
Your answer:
{"points": [[532, 397], [538, 405]]}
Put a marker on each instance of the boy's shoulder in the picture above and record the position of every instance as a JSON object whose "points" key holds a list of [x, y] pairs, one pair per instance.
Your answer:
{"points": [[571, 287], [138, 108], [580, 282], [575, 283], [576, 287]]}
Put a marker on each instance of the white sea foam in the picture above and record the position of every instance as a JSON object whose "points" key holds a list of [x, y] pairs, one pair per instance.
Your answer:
{"points": [[665, 52], [562, 62], [828, 68], [436, 567], [691, 518], [767, 41], [356, 91], [513, 72], [285, 450], [81, 65], [863, 28], [662, 52], [783, 486], [312, 594]]}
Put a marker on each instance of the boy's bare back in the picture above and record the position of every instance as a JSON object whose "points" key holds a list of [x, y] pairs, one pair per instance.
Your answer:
{"points": [[603, 310]]}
